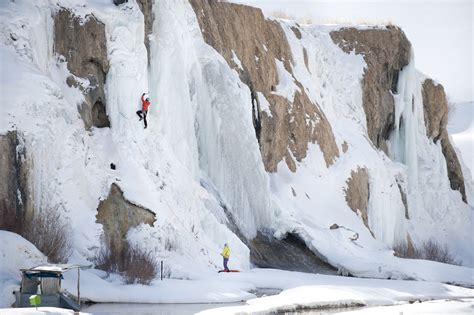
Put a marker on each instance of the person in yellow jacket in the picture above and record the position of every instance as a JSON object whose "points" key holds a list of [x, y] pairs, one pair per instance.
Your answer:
{"points": [[226, 254]]}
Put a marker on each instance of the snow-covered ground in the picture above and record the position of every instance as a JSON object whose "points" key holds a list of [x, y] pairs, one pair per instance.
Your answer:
{"points": [[15, 253]]}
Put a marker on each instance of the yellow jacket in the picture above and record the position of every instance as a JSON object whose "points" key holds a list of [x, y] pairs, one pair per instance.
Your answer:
{"points": [[226, 252]]}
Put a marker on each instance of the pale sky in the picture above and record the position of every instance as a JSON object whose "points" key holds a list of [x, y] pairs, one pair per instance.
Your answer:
{"points": [[441, 31]]}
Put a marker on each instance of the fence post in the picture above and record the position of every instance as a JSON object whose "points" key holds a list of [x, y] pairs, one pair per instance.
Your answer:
{"points": [[161, 270], [78, 286]]}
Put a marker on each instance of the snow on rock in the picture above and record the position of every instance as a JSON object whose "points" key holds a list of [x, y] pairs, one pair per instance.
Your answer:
{"points": [[286, 86], [15, 253], [264, 105], [236, 60]]}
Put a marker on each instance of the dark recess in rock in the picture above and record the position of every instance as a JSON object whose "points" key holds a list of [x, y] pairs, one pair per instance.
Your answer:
{"points": [[256, 115], [394, 81], [99, 115], [305, 57], [296, 31], [289, 253]]}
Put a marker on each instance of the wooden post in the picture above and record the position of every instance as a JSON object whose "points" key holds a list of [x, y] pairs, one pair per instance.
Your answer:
{"points": [[78, 288], [161, 270]]}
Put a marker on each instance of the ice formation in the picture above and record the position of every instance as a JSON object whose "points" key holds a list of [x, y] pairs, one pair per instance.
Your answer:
{"points": [[198, 165]]}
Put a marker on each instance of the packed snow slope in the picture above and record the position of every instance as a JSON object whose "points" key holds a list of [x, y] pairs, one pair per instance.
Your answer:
{"points": [[271, 131]]}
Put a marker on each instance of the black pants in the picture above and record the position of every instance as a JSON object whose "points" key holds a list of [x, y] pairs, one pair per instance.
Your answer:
{"points": [[144, 112]]}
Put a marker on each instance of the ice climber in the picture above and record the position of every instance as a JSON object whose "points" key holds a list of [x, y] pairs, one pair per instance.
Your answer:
{"points": [[226, 254], [145, 104]]}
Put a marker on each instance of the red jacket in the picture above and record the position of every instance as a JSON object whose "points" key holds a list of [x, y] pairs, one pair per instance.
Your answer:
{"points": [[145, 103]]}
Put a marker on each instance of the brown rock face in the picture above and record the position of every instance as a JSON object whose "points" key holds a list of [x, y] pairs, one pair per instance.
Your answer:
{"points": [[386, 52], [358, 193], [435, 106], [257, 42], [16, 201], [82, 43], [118, 215]]}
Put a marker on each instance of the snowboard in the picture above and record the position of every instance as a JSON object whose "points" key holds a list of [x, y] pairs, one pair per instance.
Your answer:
{"points": [[230, 270]]}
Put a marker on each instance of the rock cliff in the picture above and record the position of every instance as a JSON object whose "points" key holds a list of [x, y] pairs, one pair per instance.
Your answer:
{"points": [[16, 201], [87, 60], [117, 216], [435, 106], [386, 52], [255, 47], [358, 193]]}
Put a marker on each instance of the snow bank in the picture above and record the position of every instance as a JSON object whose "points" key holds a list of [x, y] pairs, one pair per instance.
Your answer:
{"points": [[428, 307], [286, 86], [313, 291], [15, 253], [212, 289]]}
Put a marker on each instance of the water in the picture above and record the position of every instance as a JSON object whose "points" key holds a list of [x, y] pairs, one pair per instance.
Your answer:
{"points": [[185, 309], [182, 309], [165, 309], [151, 309]]}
